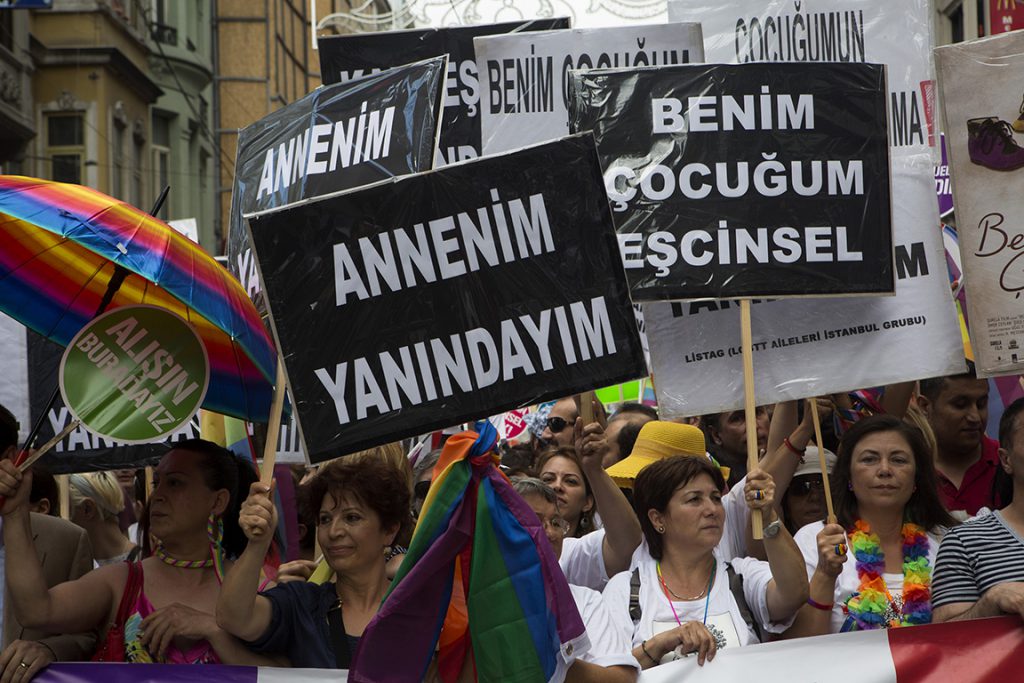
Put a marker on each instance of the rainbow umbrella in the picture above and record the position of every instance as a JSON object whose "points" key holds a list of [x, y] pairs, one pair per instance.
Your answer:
{"points": [[480, 585], [64, 249]]}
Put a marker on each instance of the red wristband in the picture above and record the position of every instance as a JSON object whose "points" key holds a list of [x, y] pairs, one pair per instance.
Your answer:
{"points": [[817, 605], [788, 444]]}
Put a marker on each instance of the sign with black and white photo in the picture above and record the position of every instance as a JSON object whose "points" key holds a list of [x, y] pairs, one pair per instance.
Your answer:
{"points": [[524, 77], [343, 58], [732, 181], [897, 34], [438, 298]]}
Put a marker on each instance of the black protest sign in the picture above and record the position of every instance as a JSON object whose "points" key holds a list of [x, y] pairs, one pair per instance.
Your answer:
{"points": [[732, 181], [81, 450], [335, 138], [350, 56], [434, 299]]}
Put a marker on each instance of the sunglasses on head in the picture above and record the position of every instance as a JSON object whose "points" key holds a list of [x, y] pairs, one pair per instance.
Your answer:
{"points": [[557, 424]]}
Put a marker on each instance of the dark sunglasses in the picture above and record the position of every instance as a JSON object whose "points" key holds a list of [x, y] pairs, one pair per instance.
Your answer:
{"points": [[421, 489], [804, 488], [557, 424]]}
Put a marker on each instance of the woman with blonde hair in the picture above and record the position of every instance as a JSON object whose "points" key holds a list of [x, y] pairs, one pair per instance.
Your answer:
{"points": [[96, 502]]}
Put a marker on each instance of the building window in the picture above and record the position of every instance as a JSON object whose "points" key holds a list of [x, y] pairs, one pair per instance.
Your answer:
{"points": [[161, 28], [117, 161], [7, 29], [65, 147], [956, 21], [161, 157], [137, 189]]}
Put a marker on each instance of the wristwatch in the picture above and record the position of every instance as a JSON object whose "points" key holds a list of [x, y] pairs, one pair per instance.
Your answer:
{"points": [[772, 530]]}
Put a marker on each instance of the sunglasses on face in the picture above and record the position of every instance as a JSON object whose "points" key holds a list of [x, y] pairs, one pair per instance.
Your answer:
{"points": [[421, 489], [557, 424], [805, 487]]}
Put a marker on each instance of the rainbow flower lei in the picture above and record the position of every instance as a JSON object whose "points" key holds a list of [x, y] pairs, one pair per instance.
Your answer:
{"points": [[869, 607]]}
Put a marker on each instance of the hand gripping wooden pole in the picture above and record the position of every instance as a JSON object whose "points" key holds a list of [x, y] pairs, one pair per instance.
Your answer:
{"points": [[749, 406], [821, 459], [587, 407], [45, 448], [273, 427]]}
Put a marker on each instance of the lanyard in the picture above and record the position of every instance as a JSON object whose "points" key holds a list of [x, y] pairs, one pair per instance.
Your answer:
{"points": [[707, 599]]}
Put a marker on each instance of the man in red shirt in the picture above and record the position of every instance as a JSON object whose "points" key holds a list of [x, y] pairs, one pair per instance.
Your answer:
{"points": [[966, 459]]}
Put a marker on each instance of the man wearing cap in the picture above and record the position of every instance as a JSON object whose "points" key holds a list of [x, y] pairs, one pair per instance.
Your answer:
{"points": [[804, 500]]}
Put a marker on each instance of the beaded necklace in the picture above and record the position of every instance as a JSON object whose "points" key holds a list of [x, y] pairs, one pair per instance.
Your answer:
{"points": [[872, 606], [215, 532]]}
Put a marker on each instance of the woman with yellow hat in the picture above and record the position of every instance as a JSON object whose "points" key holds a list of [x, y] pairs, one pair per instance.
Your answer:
{"points": [[685, 595]]}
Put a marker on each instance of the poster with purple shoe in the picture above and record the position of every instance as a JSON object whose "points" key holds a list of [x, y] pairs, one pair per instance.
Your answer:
{"points": [[981, 88]]}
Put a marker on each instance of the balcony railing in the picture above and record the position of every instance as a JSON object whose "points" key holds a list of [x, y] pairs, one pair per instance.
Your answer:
{"points": [[162, 33]]}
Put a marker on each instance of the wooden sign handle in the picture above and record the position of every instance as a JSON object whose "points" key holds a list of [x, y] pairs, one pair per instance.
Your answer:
{"points": [[45, 448], [749, 405], [821, 459], [273, 427], [587, 407]]}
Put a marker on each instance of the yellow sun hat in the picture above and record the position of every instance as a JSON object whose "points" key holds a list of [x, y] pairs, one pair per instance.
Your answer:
{"points": [[657, 440]]}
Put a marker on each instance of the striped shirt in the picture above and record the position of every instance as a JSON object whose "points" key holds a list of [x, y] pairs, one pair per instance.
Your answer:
{"points": [[974, 557]]}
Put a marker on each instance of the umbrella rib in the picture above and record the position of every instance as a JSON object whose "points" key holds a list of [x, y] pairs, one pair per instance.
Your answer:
{"points": [[75, 297], [85, 285]]}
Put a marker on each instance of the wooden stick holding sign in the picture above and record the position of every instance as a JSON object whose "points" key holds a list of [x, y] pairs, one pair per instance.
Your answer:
{"points": [[273, 427], [45, 448], [64, 489], [586, 400], [747, 343], [821, 459]]}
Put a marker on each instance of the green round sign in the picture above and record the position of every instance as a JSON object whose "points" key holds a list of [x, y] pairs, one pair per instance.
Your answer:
{"points": [[135, 374]]}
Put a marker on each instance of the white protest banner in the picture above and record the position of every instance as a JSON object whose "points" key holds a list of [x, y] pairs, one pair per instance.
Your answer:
{"points": [[923, 654], [187, 227], [896, 34], [524, 77], [981, 95], [809, 347], [14, 369]]}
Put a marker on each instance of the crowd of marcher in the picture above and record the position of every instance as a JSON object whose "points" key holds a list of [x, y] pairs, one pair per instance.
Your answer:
{"points": [[651, 522]]}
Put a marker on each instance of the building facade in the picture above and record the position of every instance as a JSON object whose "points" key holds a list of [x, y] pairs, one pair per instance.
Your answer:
{"points": [[184, 146], [92, 95], [17, 120]]}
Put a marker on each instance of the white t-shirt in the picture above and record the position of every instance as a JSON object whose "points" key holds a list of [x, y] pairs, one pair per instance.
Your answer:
{"points": [[848, 582], [722, 611], [608, 645], [582, 561]]}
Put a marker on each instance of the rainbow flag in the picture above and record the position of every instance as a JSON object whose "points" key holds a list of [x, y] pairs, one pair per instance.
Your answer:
{"points": [[480, 585]]}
